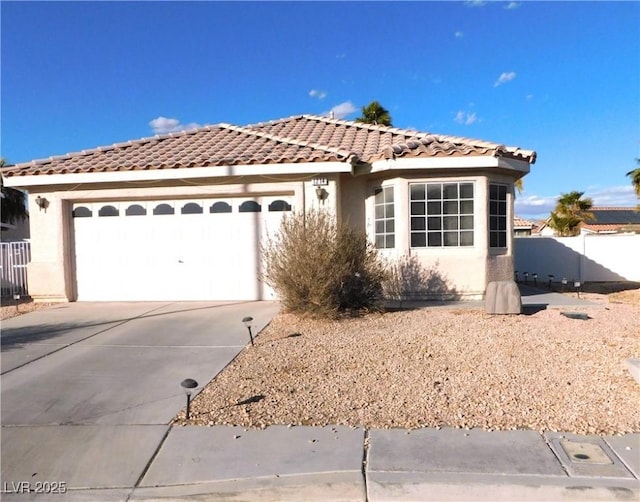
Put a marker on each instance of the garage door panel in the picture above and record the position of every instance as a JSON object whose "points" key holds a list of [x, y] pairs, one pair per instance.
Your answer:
{"points": [[192, 256]]}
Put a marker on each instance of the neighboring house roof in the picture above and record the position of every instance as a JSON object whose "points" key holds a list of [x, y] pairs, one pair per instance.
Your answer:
{"points": [[611, 219], [608, 220], [304, 138], [522, 223]]}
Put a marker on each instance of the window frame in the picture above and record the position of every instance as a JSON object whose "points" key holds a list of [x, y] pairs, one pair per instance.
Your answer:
{"points": [[498, 212], [385, 239], [439, 220]]}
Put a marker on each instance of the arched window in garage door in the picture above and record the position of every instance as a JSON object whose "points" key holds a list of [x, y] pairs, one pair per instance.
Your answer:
{"points": [[163, 209], [220, 207], [250, 206], [135, 210], [82, 212], [191, 208], [279, 205], [108, 211]]}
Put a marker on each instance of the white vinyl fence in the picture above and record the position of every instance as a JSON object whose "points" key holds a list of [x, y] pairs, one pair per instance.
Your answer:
{"points": [[14, 257], [585, 258]]}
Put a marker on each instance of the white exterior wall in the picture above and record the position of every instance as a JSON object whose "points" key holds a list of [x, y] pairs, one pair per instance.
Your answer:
{"points": [[587, 257]]}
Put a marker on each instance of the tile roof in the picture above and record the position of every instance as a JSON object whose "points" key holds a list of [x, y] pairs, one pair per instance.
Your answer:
{"points": [[373, 142], [304, 138], [522, 223]]}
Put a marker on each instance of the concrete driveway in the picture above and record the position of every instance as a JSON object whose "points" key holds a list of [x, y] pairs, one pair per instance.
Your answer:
{"points": [[114, 369]]}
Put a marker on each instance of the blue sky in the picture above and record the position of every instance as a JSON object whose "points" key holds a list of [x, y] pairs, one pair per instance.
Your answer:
{"points": [[561, 78]]}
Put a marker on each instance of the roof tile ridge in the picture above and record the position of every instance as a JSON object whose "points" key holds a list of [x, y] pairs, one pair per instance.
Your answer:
{"points": [[273, 122], [362, 125], [292, 141]]}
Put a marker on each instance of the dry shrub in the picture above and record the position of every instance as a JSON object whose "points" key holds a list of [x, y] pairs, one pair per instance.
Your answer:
{"points": [[321, 268]]}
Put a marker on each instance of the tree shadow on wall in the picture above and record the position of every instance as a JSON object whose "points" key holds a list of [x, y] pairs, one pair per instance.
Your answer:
{"points": [[410, 281]]}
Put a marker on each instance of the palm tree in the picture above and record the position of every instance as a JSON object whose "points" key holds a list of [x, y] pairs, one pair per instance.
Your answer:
{"points": [[375, 113], [570, 211], [635, 178], [14, 206]]}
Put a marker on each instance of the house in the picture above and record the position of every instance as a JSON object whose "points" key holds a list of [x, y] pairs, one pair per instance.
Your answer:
{"points": [[523, 227], [181, 216], [606, 220]]}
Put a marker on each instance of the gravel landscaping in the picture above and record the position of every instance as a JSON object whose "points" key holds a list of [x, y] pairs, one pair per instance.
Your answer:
{"points": [[10, 308], [437, 367]]}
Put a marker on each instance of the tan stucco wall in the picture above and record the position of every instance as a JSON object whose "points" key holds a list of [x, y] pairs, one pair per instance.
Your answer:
{"points": [[48, 270], [352, 201], [456, 271]]}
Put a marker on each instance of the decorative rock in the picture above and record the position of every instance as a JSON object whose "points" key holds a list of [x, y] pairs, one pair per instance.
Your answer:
{"points": [[503, 297]]}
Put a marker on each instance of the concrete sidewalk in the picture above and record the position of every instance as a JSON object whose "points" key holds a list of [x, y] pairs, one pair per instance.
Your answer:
{"points": [[332, 463]]}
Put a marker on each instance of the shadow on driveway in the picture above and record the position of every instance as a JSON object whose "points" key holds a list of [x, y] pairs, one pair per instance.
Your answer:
{"points": [[12, 338]]}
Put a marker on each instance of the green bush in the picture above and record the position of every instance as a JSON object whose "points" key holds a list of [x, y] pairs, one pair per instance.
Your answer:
{"points": [[319, 267]]}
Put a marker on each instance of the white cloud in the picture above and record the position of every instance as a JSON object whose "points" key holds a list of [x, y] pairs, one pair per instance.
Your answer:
{"points": [[612, 196], [535, 206], [475, 3], [459, 34], [512, 5], [505, 77], [342, 110], [529, 97], [164, 125], [342, 55], [465, 118], [314, 93]]}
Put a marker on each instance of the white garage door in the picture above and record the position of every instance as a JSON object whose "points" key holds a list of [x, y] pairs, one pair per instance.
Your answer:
{"points": [[206, 249]]}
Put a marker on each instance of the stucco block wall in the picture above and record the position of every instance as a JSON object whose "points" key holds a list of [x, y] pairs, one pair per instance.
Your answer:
{"points": [[593, 257]]}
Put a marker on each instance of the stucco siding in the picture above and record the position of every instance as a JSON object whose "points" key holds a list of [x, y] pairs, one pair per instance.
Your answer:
{"points": [[352, 201]]}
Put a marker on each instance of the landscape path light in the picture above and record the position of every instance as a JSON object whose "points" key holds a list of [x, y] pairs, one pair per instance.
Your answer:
{"points": [[564, 283], [188, 385], [577, 286], [247, 322], [535, 280], [551, 276]]}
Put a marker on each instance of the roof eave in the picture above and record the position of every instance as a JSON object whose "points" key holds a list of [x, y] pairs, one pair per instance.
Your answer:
{"points": [[519, 167], [310, 168]]}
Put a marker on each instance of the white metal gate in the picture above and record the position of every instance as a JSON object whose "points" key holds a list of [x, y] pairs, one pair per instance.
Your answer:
{"points": [[14, 257]]}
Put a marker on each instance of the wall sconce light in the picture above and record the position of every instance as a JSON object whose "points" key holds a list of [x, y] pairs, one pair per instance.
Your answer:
{"points": [[321, 194], [42, 203]]}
